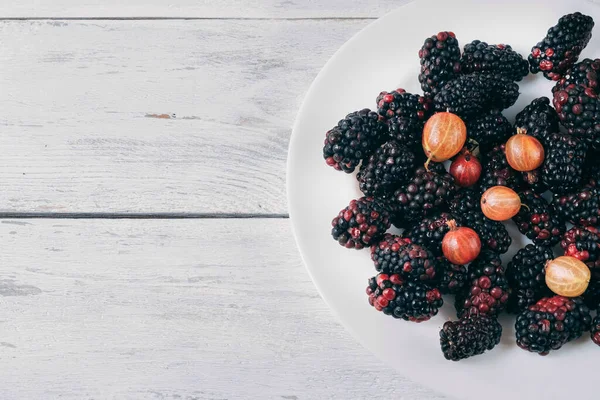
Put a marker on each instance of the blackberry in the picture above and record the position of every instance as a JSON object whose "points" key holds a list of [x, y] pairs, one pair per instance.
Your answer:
{"points": [[563, 164], [440, 62], [396, 255], [539, 119], [489, 130], [497, 172], [391, 166], [503, 92], [550, 323], [560, 49], [595, 331], [470, 336], [479, 56], [400, 103], [424, 194], [406, 131], [353, 139], [591, 296], [453, 278], [488, 291], [584, 73], [411, 301], [532, 180], [579, 111], [583, 244], [465, 201], [493, 234], [470, 95], [361, 224], [525, 274], [579, 207], [430, 232], [536, 221]]}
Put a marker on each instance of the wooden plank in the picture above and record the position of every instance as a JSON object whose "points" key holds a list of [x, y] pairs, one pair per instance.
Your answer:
{"points": [[202, 309], [199, 9], [154, 116]]}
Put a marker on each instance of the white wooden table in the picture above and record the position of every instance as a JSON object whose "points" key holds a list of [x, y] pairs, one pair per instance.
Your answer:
{"points": [[146, 248]]}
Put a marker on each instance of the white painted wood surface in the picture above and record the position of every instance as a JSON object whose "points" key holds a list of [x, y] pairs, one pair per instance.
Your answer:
{"points": [[172, 309], [199, 9], [76, 95]]}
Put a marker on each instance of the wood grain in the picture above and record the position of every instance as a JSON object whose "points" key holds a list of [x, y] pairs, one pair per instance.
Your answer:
{"points": [[188, 309], [199, 9], [154, 116]]}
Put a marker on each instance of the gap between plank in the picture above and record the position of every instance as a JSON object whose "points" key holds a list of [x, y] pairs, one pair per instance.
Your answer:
{"points": [[92, 215], [184, 18]]}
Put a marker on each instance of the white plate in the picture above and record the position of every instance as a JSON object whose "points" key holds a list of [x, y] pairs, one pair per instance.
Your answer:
{"points": [[383, 56]]}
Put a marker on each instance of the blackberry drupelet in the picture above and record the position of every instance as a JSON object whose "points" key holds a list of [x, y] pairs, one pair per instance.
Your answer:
{"points": [[361, 224], [550, 323], [400, 103], [440, 62], [479, 56], [470, 95], [424, 194], [497, 172], [489, 130], [525, 273], [388, 168], [539, 119], [493, 234], [595, 331], [561, 47], [353, 139], [563, 164], [536, 220], [453, 278], [396, 255], [410, 301], [583, 244], [579, 111], [579, 207], [430, 232], [488, 291], [584, 73], [470, 336]]}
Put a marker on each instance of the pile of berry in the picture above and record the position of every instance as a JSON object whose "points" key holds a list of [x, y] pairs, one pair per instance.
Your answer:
{"points": [[452, 219]]}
